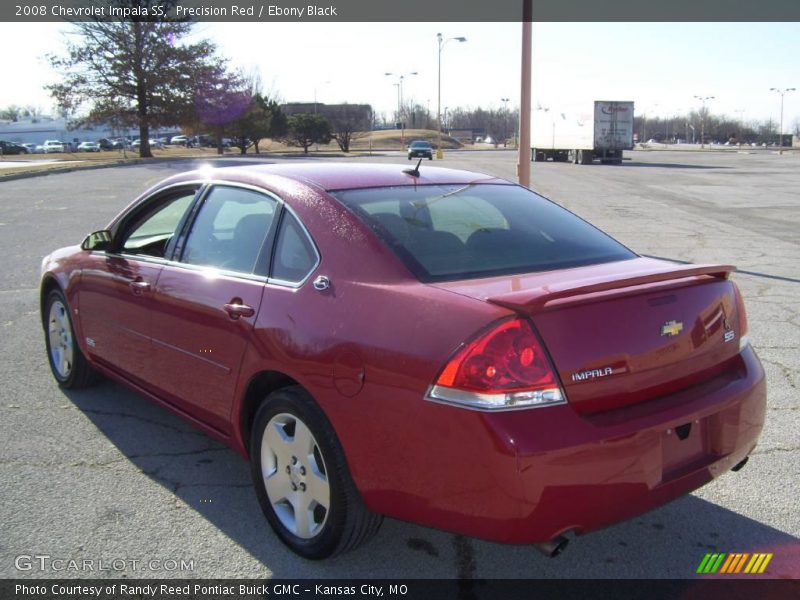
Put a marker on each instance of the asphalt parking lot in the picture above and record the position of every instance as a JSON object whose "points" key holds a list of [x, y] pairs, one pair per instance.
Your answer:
{"points": [[103, 474]]}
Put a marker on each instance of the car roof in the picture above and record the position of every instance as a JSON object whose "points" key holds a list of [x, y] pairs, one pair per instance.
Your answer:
{"points": [[332, 176]]}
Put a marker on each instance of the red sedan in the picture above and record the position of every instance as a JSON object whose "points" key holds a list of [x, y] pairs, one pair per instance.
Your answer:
{"points": [[433, 345]]}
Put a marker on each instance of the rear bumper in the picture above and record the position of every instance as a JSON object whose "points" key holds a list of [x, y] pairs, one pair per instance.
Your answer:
{"points": [[527, 476], [632, 460]]}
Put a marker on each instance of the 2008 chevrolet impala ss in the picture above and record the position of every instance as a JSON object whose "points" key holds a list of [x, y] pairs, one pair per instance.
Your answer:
{"points": [[432, 345]]}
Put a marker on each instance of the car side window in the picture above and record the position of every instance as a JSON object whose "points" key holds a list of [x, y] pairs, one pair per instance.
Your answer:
{"points": [[295, 255], [230, 229], [151, 231]]}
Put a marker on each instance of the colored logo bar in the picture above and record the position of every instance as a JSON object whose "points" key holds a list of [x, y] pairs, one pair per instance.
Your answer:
{"points": [[741, 562]]}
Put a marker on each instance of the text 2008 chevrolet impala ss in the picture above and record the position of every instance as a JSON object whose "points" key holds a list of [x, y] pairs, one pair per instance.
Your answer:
{"points": [[432, 345]]}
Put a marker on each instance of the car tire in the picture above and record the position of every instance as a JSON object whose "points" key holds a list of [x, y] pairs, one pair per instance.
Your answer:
{"points": [[68, 364], [297, 461]]}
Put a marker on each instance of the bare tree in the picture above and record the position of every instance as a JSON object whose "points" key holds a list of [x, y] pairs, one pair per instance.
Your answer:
{"points": [[140, 73], [348, 122]]}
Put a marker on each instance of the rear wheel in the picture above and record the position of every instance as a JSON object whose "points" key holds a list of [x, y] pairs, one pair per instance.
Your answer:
{"points": [[67, 362], [301, 478]]}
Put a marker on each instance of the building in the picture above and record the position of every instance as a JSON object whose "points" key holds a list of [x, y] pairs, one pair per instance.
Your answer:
{"points": [[357, 113]]}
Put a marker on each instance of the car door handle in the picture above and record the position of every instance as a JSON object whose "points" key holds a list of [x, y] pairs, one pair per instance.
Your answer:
{"points": [[237, 309], [138, 286]]}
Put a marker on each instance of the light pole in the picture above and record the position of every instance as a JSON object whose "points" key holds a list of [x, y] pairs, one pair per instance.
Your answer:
{"points": [[740, 112], [315, 94], [644, 124], [703, 119], [399, 84], [315, 104], [445, 118], [781, 92], [505, 119], [400, 78], [442, 41]]}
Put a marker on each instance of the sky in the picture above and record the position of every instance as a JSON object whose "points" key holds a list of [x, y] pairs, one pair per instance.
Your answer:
{"points": [[660, 66]]}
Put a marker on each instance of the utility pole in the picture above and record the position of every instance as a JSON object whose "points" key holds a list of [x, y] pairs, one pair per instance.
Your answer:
{"points": [[524, 157]]}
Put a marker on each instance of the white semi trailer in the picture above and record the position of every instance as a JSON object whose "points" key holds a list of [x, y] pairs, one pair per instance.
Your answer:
{"points": [[581, 137]]}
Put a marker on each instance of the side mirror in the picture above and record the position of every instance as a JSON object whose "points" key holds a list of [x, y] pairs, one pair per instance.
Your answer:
{"points": [[99, 240]]}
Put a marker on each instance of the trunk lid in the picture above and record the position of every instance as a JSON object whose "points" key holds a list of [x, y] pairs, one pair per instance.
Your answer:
{"points": [[624, 332]]}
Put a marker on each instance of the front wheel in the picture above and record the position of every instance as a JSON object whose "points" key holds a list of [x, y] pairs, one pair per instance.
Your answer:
{"points": [[67, 362], [301, 478]]}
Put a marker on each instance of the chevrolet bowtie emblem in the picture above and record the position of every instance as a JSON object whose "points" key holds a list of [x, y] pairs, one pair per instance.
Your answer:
{"points": [[671, 328]]}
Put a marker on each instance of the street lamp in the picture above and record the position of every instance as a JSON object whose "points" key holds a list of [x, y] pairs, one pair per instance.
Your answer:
{"points": [[703, 119], [315, 103], [644, 123], [740, 112], [399, 84], [442, 41], [505, 119], [782, 92], [315, 93]]}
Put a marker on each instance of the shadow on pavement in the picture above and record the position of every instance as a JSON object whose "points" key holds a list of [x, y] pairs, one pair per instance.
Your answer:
{"points": [[215, 482]]}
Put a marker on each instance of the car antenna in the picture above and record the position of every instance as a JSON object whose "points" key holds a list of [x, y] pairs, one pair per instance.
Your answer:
{"points": [[415, 171]]}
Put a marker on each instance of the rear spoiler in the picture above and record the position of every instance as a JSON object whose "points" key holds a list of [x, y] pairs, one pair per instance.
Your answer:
{"points": [[538, 298]]}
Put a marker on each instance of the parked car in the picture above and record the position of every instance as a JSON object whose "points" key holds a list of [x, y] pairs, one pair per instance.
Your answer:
{"points": [[52, 146], [153, 144], [434, 345], [421, 148], [30, 147], [12, 148], [105, 144], [179, 140], [203, 141], [88, 147]]}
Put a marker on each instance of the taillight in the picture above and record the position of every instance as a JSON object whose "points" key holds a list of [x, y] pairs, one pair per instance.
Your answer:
{"points": [[504, 368], [741, 314]]}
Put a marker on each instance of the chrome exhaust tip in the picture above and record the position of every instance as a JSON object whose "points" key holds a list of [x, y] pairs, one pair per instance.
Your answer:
{"points": [[554, 547]]}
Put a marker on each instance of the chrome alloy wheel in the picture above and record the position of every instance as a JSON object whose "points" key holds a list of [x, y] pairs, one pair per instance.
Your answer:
{"points": [[294, 475], [61, 341]]}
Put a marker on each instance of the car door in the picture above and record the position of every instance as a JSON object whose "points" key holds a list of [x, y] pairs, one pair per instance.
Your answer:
{"points": [[207, 299], [115, 297]]}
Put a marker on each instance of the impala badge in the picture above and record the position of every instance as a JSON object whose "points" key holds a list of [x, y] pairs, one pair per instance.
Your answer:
{"points": [[671, 328]]}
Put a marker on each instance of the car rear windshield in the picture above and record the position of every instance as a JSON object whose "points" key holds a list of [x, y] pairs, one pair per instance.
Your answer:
{"points": [[452, 232]]}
